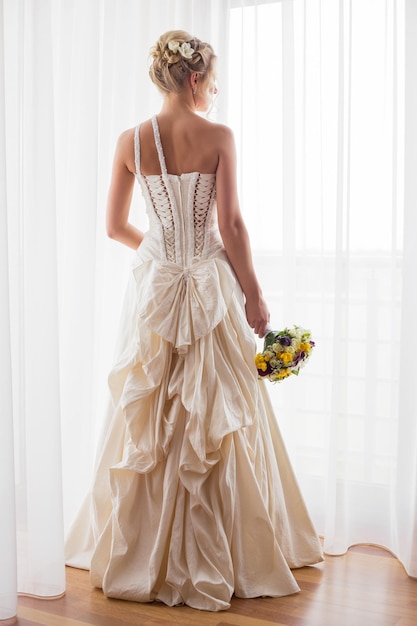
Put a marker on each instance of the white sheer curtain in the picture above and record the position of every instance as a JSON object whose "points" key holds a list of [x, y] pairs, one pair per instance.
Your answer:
{"points": [[323, 101], [73, 76], [321, 95], [29, 301]]}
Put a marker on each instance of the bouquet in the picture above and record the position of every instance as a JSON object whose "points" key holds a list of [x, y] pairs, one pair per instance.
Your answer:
{"points": [[285, 353]]}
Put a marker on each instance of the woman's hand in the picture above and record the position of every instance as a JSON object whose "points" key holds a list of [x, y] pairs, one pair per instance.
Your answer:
{"points": [[257, 314]]}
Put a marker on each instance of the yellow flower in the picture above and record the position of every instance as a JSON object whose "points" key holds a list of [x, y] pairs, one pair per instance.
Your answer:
{"points": [[260, 363], [286, 357], [305, 347]]}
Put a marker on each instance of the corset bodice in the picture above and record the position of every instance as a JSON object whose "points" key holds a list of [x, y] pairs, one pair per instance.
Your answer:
{"points": [[182, 212], [184, 280]]}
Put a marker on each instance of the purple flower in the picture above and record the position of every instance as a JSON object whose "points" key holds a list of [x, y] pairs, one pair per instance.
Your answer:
{"points": [[285, 340], [261, 373], [300, 356]]}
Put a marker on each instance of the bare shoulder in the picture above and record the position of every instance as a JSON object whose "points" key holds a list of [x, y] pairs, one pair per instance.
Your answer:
{"points": [[220, 131], [126, 138], [125, 145], [225, 143], [219, 136], [125, 149]]}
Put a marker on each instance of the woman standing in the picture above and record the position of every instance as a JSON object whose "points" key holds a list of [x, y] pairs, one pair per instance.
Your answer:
{"points": [[194, 497]]}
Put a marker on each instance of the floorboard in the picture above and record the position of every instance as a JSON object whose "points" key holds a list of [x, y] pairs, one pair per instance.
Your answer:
{"points": [[365, 587]]}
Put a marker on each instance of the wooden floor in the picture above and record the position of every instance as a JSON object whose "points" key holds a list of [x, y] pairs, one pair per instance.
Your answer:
{"points": [[365, 587]]}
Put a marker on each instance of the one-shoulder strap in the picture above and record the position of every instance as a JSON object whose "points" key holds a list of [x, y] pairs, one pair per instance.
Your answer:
{"points": [[158, 144], [137, 150]]}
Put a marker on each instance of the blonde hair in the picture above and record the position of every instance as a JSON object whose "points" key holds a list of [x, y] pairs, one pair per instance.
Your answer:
{"points": [[169, 69]]}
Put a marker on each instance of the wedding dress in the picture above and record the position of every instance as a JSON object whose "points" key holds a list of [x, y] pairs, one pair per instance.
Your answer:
{"points": [[194, 497]]}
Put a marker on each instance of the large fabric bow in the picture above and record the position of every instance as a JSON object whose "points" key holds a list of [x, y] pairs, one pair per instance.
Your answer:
{"points": [[184, 304]]}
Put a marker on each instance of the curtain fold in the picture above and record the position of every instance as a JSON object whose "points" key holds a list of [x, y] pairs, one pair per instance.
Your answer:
{"points": [[405, 494], [336, 497], [33, 300], [321, 96], [8, 570]]}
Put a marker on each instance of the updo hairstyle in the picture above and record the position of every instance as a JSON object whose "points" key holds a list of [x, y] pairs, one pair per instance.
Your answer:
{"points": [[169, 69]]}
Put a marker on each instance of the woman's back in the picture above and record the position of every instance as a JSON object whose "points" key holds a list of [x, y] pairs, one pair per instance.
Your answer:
{"points": [[181, 206], [190, 144]]}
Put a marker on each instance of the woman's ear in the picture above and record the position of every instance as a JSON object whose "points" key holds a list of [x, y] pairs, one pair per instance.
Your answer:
{"points": [[193, 81]]}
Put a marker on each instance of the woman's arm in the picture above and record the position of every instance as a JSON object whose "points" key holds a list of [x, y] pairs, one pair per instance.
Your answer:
{"points": [[120, 195], [235, 236]]}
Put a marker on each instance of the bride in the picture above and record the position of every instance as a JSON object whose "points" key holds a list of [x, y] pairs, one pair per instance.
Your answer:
{"points": [[194, 498]]}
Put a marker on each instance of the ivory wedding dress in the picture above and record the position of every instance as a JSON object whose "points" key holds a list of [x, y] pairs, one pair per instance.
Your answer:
{"points": [[194, 497]]}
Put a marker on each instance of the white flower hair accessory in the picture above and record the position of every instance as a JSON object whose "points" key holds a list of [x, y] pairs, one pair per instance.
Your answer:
{"points": [[184, 49]]}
